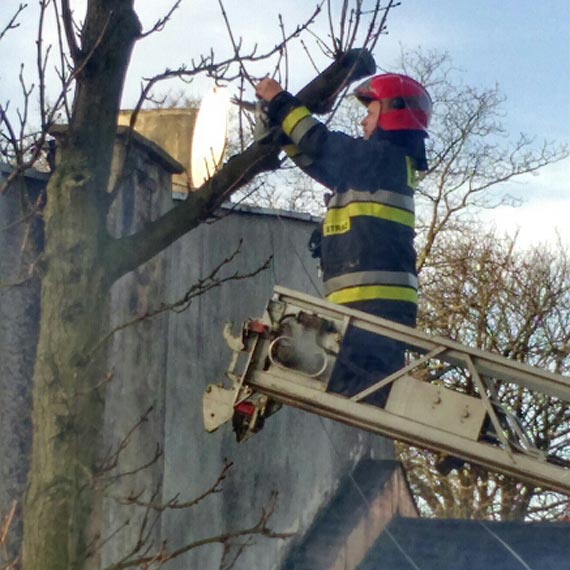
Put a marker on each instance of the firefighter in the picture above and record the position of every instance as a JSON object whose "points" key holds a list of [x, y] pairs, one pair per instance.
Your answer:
{"points": [[366, 240]]}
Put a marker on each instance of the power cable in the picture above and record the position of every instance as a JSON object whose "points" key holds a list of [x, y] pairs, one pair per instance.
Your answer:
{"points": [[507, 546]]}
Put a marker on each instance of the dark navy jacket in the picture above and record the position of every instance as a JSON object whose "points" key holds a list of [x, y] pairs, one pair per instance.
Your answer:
{"points": [[367, 249]]}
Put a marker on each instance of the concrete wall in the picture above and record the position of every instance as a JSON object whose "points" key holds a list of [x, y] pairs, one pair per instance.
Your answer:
{"points": [[166, 362], [19, 318], [137, 355], [300, 456]]}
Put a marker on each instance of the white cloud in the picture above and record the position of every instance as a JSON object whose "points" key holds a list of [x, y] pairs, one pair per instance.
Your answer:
{"points": [[544, 212], [536, 222]]}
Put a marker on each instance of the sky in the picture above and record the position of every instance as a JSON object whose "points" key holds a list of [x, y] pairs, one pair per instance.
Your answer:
{"points": [[521, 45]]}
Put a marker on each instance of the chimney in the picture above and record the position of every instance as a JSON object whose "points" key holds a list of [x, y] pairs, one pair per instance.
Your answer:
{"points": [[172, 130]]}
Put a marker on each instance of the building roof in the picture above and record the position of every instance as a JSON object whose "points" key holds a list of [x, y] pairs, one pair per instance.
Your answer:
{"points": [[156, 152], [451, 544], [30, 173], [259, 211], [341, 515]]}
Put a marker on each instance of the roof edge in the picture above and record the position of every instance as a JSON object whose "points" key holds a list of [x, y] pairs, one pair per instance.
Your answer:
{"points": [[260, 211]]}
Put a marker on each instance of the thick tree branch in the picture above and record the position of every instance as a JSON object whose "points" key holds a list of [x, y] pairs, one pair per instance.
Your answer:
{"points": [[69, 28], [127, 253]]}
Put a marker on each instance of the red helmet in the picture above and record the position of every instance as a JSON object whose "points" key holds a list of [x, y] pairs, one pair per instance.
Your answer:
{"points": [[405, 104]]}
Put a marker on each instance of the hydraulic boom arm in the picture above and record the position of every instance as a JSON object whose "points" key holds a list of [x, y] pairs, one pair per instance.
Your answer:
{"points": [[286, 357]]}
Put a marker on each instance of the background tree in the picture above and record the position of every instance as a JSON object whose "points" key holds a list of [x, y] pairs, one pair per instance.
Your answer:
{"points": [[483, 291], [471, 154], [80, 260]]}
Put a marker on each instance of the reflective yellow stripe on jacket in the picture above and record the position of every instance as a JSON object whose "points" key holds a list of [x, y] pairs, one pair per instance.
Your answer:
{"points": [[373, 292], [337, 220], [298, 123]]}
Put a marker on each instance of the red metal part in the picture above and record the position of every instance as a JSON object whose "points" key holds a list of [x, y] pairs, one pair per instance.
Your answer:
{"points": [[257, 327], [245, 408]]}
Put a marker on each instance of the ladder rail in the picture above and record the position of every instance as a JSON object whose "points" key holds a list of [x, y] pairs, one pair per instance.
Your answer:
{"points": [[379, 421], [487, 363]]}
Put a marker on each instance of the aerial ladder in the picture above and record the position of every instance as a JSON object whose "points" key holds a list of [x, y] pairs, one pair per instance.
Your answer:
{"points": [[287, 355]]}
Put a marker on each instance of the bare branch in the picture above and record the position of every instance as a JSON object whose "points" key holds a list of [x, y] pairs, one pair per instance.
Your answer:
{"points": [[69, 28], [13, 23], [174, 503], [23, 278], [7, 523], [236, 46], [261, 528], [204, 285], [48, 118], [112, 459], [41, 61], [161, 22]]}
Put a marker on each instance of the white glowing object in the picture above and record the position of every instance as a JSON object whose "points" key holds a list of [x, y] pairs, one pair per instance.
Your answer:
{"points": [[210, 134]]}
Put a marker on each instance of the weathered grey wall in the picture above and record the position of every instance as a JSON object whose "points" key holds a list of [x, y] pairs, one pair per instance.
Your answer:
{"points": [[137, 356], [19, 319], [167, 361], [299, 455]]}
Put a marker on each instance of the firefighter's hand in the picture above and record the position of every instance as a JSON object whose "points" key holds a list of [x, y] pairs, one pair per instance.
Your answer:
{"points": [[267, 89]]}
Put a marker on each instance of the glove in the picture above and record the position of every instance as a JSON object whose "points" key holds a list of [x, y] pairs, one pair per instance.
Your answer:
{"points": [[264, 131], [315, 243]]}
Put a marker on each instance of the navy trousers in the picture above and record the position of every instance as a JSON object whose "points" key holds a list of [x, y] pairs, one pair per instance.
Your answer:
{"points": [[366, 358]]}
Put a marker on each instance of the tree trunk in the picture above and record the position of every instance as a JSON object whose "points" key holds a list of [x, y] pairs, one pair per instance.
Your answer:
{"points": [[68, 385], [61, 526]]}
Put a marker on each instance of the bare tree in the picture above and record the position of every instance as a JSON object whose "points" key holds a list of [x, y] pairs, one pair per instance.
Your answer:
{"points": [[483, 291], [470, 154], [81, 260]]}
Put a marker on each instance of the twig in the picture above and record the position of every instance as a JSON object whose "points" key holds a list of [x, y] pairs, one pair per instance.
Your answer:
{"points": [[13, 24], [161, 22], [174, 504], [7, 523], [202, 286], [21, 164], [109, 480], [260, 528], [112, 460], [228, 547], [236, 46], [17, 281]]}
